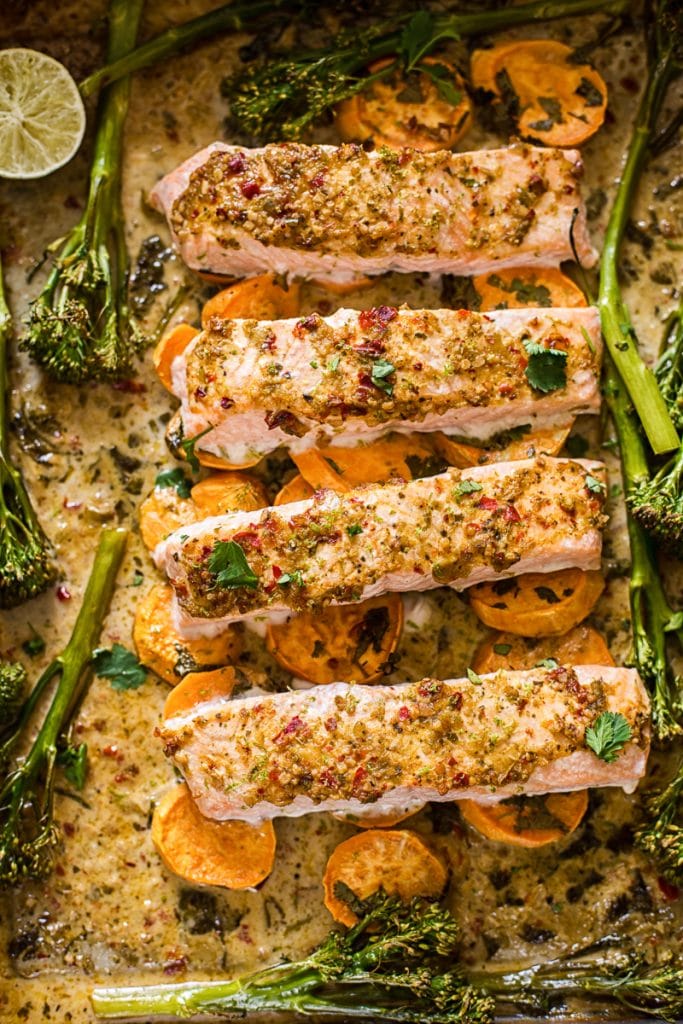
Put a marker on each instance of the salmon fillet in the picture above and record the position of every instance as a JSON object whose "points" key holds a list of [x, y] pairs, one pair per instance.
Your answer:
{"points": [[455, 529], [351, 748], [297, 383], [336, 212]]}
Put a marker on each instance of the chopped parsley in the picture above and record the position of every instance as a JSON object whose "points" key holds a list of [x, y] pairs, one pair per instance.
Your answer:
{"points": [[467, 487], [295, 576], [74, 763], [174, 478], [502, 649], [547, 367], [187, 446], [548, 663], [354, 529], [608, 735], [594, 485], [381, 369], [35, 644], [229, 565], [473, 677], [120, 667]]}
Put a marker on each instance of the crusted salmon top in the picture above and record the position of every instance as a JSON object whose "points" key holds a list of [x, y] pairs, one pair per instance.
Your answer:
{"points": [[359, 742], [386, 204], [384, 364], [334, 547]]}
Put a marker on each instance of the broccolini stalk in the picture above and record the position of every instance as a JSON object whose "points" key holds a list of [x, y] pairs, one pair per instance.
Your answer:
{"points": [[660, 836], [80, 326], [282, 98], [664, 20], [658, 503], [399, 963], [27, 831], [652, 618], [26, 566]]}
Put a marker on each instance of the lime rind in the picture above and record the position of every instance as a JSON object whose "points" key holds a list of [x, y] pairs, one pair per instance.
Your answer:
{"points": [[42, 117]]}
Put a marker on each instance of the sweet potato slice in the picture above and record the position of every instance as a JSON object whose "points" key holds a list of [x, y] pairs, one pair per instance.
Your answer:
{"points": [[398, 455], [549, 441], [350, 643], [319, 471], [379, 819], [173, 344], [258, 298], [396, 861], [426, 109], [198, 687], [527, 286], [228, 492], [343, 288], [232, 854], [163, 512], [296, 489], [552, 98], [537, 604], [527, 821], [582, 645], [162, 649]]}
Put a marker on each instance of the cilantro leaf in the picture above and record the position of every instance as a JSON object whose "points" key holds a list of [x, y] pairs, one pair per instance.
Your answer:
{"points": [[608, 735], [547, 367], [174, 478], [473, 677], [188, 447], [381, 369], [35, 644], [467, 487], [120, 667], [295, 576], [502, 649], [595, 486], [416, 38], [229, 565], [442, 77], [354, 529], [548, 663], [74, 762]]}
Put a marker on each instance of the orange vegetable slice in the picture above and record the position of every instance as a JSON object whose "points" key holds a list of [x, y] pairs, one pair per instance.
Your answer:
{"points": [[163, 512], [173, 344], [527, 821], [397, 861], [342, 288], [581, 645], [537, 604], [379, 819], [295, 489], [161, 647], [548, 441], [231, 854], [318, 471], [199, 687], [350, 643], [551, 98], [258, 298], [228, 492], [426, 109], [397, 455], [527, 286]]}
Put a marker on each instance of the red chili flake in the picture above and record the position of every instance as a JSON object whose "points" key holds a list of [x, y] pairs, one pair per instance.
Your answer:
{"points": [[377, 316], [511, 515], [371, 347], [274, 775], [249, 537], [331, 724], [250, 188], [429, 688], [359, 777], [236, 164], [269, 342], [404, 713], [669, 891], [226, 402], [199, 393], [130, 387], [318, 181], [175, 966], [506, 389], [284, 421], [244, 936], [490, 504], [568, 190], [308, 323], [63, 593], [460, 780], [277, 572], [69, 828], [419, 570], [327, 778], [71, 505], [112, 750], [417, 366], [294, 725], [536, 185]]}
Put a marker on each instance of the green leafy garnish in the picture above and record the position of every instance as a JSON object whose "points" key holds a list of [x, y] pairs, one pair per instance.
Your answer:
{"points": [[547, 367], [502, 649], [381, 369], [295, 576], [174, 478], [229, 565], [548, 663], [473, 677], [74, 763], [354, 529], [120, 667], [188, 445], [467, 487], [608, 735], [594, 485], [35, 644]]}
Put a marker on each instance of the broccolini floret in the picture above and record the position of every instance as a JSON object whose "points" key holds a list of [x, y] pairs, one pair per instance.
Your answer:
{"points": [[26, 566], [27, 830], [80, 326], [12, 687]]}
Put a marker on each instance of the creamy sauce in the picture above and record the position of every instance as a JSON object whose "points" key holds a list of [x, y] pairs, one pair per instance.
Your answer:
{"points": [[111, 911]]}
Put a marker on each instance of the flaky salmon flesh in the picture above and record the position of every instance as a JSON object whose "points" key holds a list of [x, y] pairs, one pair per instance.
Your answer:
{"points": [[355, 376], [337, 212], [455, 529], [355, 748]]}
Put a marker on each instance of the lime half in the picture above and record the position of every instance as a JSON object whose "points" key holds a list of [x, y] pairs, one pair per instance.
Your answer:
{"points": [[42, 117]]}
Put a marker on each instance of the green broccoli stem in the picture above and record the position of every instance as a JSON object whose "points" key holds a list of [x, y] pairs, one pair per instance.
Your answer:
{"points": [[236, 17], [652, 618], [659, 835], [617, 327], [27, 793]]}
